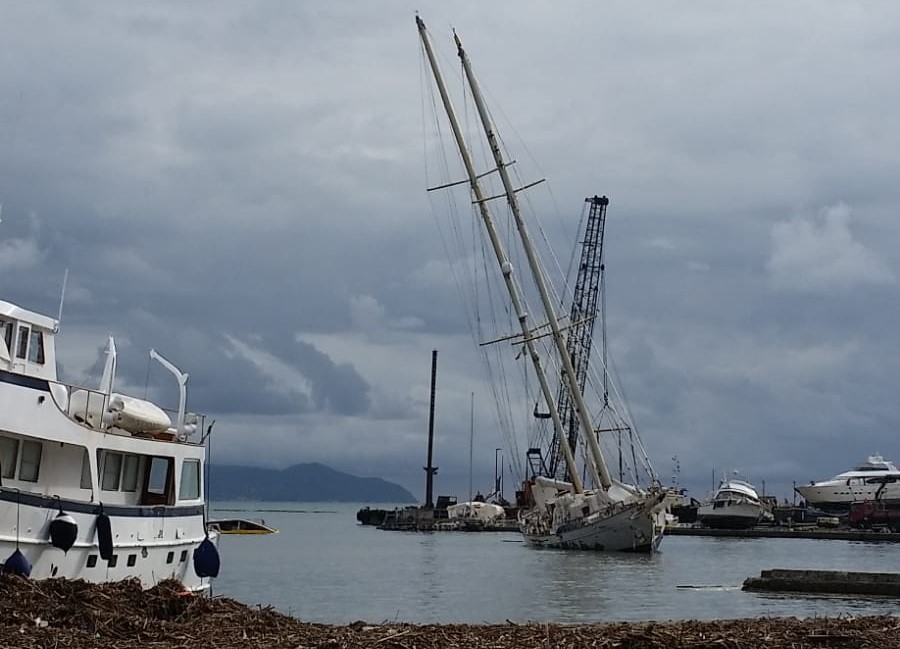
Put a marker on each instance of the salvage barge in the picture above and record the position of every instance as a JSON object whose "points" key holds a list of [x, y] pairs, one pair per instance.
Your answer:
{"points": [[73, 613]]}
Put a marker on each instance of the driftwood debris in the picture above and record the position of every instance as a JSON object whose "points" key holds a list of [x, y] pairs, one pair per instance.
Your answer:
{"points": [[75, 614]]}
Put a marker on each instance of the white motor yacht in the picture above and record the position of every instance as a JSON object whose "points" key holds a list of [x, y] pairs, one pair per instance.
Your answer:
{"points": [[95, 485], [735, 505], [874, 479]]}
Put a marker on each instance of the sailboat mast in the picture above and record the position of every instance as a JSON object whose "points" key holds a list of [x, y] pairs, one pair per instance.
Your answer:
{"points": [[506, 267], [600, 470], [471, 441]]}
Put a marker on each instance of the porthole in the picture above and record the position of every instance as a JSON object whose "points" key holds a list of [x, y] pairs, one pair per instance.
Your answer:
{"points": [[132, 559], [113, 561], [91, 560], [170, 557]]}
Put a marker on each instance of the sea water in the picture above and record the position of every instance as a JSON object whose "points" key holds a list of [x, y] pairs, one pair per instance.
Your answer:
{"points": [[323, 566]]}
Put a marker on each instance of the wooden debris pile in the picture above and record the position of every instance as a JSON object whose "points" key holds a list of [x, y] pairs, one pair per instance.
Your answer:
{"points": [[61, 613]]}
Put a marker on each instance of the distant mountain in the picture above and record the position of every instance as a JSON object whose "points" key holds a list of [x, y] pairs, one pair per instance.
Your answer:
{"points": [[301, 483]]}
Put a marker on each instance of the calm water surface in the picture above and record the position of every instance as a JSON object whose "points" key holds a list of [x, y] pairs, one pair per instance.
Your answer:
{"points": [[324, 567]]}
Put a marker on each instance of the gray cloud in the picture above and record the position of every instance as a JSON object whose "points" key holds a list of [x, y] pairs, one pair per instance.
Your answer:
{"points": [[822, 255]]}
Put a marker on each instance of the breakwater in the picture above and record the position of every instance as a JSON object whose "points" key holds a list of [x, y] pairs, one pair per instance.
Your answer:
{"points": [[840, 582], [817, 533]]}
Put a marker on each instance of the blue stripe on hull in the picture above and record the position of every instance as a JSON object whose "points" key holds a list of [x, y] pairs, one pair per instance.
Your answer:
{"points": [[24, 381], [137, 511]]}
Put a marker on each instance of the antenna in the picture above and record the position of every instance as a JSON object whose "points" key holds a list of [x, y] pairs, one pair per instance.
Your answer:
{"points": [[62, 298]]}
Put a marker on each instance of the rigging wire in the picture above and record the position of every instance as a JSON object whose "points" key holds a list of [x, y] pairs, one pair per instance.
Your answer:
{"points": [[465, 277], [484, 310]]}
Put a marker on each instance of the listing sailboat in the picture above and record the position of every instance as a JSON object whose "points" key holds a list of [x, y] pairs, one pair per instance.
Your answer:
{"points": [[611, 514]]}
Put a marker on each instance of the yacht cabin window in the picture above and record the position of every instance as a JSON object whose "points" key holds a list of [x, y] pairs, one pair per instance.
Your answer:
{"points": [[130, 473], [159, 476], [85, 470], [190, 480], [119, 471], [159, 481], [30, 469], [36, 347], [109, 475], [9, 455], [22, 347], [6, 332]]}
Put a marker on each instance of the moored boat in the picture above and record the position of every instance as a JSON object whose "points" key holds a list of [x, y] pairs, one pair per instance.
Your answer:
{"points": [[875, 479], [239, 526], [734, 505], [95, 485], [476, 511]]}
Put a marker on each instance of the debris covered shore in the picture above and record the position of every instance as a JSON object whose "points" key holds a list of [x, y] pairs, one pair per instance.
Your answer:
{"points": [[61, 613]]}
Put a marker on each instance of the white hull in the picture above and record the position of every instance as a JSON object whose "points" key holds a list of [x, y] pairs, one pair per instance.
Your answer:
{"points": [[635, 527], [829, 496], [476, 511], [874, 479], [736, 515], [151, 548]]}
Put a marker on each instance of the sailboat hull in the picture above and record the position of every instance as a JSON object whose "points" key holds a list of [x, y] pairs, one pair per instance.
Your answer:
{"points": [[634, 527]]}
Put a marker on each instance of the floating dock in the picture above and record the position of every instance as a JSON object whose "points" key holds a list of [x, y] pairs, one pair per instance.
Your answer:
{"points": [[842, 534], [826, 581]]}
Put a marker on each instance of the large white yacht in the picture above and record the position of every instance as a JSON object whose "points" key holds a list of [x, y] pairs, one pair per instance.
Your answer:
{"points": [[874, 479], [95, 485], [735, 505]]}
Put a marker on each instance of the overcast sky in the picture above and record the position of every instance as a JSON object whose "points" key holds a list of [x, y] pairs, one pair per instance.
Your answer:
{"points": [[242, 186]]}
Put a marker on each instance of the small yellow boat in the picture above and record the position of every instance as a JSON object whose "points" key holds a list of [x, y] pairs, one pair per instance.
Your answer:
{"points": [[239, 526]]}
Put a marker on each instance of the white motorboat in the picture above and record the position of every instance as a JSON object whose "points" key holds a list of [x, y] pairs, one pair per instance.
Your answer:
{"points": [[95, 485], [735, 505], [609, 514], [874, 479], [476, 511]]}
